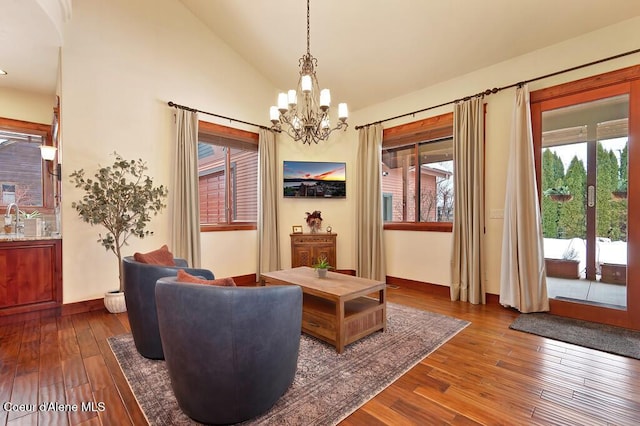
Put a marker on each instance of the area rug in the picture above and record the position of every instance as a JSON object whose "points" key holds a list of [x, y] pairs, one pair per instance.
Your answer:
{"points": [[327, 387], [592, 335]]}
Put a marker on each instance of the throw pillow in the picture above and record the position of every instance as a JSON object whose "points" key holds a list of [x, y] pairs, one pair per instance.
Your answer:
{"points": [[186, 277], [161, 256]]}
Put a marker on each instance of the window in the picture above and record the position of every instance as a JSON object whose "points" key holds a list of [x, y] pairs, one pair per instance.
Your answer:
{"points": [[228, 177], [22, 176], [417, 175]]}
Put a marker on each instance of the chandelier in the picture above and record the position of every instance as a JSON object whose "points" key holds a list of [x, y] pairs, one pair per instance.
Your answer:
{"points": [[305, 112]]}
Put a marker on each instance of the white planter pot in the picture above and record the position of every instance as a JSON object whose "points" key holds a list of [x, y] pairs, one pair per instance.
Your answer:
{"points": [[114, 302], [322, 273]]}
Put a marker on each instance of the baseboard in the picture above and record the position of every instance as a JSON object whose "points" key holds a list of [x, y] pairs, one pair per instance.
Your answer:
{"points": [[435, 289], [241, 280], [83, 306], [421, 286]]}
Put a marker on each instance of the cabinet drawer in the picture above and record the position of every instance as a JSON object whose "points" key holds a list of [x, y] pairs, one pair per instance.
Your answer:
{"points": [[313, 239], [319, 324]]}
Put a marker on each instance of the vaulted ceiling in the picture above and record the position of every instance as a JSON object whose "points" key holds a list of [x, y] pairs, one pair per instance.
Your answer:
{"points": [[368, 51]]}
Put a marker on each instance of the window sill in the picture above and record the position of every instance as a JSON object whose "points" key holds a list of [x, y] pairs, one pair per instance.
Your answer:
{"points": [[229, 227], [422, 226]]}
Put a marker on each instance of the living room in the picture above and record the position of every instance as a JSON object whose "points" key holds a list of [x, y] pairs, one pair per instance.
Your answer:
{"points": [[122, 61], [130, 85]]}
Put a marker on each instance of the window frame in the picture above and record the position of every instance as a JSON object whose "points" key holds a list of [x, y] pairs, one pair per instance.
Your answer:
{"points": [[43, 130], [412, 135], [243, 136]]}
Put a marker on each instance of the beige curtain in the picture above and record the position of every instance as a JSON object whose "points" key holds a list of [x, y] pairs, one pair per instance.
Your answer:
{"points": [[268, 195], [186, 202], [370, 260], [523, 284], [468, 266]]}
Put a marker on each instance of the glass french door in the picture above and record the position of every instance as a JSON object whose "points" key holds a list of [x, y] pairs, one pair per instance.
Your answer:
{"points": [[586, 137], [584, 203]]}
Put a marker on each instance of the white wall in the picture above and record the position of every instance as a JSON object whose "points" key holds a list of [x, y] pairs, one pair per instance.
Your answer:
{"points": [[425, 256], [26, 106], [122, 61], [337, 213]]}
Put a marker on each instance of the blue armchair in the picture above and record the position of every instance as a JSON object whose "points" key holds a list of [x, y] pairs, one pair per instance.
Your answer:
{"points": [[139, 294], [231, 352]]}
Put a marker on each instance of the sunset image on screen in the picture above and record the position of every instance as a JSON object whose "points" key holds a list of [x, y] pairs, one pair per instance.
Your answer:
{"points": [[314, 179]]}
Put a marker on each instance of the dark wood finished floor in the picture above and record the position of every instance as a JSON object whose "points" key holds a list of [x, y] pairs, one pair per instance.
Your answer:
{"points": [[487, 374]]}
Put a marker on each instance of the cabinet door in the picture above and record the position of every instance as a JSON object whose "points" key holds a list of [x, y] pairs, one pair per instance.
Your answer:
{"points": [[303, 256], [305, 249], [27, 276], [328, 251]]}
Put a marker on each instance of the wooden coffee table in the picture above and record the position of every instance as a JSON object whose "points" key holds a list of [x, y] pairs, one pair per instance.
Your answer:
{"points": [[338, 309]]}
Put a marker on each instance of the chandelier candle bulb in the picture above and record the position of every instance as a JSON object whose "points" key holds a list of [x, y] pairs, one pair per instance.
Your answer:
{"points": [[306, 83], [274, 115], [325, 98], [293, 97], [343, 111], [282, 102]]}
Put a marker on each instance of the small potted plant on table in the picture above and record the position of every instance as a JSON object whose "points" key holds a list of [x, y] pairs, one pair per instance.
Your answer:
{"points": [[322, 266]]}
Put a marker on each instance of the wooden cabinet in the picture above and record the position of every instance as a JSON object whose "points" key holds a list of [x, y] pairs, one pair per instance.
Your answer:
{"points": [[30, 275], [306, 248]]}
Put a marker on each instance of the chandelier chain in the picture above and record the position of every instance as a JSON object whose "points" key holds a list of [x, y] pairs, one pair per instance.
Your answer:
{"points": [[308, 30], [305, 111]]}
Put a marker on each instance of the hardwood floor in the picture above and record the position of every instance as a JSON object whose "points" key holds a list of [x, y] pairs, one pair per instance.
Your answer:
{"points": [[487, 374]]}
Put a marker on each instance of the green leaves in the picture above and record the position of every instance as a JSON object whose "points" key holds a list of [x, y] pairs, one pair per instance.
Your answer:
{"points": [[121, 198], [559, 190], [322, 263]]}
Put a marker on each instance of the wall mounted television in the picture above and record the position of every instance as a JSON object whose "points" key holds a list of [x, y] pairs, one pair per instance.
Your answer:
{"points": [[314, 179]]}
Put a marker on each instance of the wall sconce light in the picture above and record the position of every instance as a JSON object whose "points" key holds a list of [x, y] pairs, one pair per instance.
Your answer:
{"points": [[48, 154]]}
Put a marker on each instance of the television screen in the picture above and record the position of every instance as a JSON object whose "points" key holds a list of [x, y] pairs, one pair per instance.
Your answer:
{"points": [[315, 179]]}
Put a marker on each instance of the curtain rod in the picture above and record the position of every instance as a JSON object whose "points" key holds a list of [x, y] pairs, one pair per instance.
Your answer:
{"points": [[498, 89], [173, 104]]}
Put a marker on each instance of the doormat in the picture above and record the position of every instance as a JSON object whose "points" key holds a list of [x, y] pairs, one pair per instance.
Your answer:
{"points": [[607, 338]]}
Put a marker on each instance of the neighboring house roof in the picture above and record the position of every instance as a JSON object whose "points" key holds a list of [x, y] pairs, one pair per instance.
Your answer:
{"points": [[434, 171]]}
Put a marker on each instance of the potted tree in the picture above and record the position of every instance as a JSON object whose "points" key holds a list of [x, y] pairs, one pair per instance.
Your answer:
{"points": [[322, 266], [121, 199]]}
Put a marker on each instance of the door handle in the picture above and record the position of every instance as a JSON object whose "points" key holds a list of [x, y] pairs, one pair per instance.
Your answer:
{"points": [[591, 196]]}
